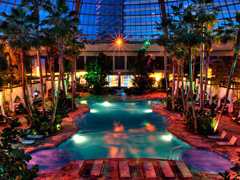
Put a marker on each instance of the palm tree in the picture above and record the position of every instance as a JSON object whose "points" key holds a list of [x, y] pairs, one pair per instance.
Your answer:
{"points": [[61, 26], [190, 39], [164, 17], [72, 51], [52, 53], [230, 32], [34, 6], [205, 22], [17, 30]]}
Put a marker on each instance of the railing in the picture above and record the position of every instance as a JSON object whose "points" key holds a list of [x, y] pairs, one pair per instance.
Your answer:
{"points": [[177, 147], [231, 160]]}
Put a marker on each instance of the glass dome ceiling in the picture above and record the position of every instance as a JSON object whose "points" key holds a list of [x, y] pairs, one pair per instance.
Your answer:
{"points": [[136, 20]]}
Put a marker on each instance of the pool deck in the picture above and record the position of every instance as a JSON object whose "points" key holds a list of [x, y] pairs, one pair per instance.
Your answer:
{"points": [[136, 165], [177, 128], [126, 168]]}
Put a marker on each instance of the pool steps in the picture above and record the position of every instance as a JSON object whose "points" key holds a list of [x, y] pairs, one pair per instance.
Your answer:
{"points": [[159, 169]]}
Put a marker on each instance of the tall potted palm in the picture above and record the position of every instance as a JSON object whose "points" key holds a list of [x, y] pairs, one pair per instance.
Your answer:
{"points": [[190, 39], [230, 32], [34, 6], [72, 51], [61, 27], [205, 21], [17, 30]]}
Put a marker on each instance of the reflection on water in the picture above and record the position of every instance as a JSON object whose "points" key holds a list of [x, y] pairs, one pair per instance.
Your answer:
{"points": [[118, 130]]}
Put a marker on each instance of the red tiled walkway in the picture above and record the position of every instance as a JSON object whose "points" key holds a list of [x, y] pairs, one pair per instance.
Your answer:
{"points": [[110, 169]]}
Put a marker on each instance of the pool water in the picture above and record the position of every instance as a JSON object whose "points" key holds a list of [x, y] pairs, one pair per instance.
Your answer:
{"points": [[115, 130]]}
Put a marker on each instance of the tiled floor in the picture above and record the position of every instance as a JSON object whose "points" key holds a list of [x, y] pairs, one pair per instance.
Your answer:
{"points": [[135, 169]]}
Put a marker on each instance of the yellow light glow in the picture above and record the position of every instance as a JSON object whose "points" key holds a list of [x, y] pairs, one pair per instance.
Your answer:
{"points": [[83, 102], [119, 42]]}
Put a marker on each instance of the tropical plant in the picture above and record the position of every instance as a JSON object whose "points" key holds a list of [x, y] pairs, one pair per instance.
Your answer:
{"points": [[165, 30], [97, 72], [230, 32], [191, 39], [34, 6], [72, 51], [235, 174], [13, 160], [142, 69], [61, 23], [205, 21], [18, 31]]}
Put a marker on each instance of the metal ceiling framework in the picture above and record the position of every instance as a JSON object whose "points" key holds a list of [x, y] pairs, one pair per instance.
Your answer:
{"points": [[137, 18]]}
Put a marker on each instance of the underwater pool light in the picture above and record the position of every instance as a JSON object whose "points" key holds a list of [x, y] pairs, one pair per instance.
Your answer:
{"points": [[79, 138], [93, 110], [167, 137], [106, 103], [148, 111]]}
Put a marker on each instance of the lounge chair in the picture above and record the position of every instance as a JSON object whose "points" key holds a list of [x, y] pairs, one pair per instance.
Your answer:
{"points": [[184, 169], [30, 136], [222, 136], [167, 170], [25, 142], [97, 168], [149, 170], [228, 143], [124, 169]]}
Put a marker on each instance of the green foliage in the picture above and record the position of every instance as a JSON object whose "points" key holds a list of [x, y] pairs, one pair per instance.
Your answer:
{"points": [[205, 122], [178, 105], [236, 172], [42, 124], [168, 102], [61, 20], [189, 119], [18, 30], [143, 68], [145, 63], [143, 82], [97, 72], [13, 160]]}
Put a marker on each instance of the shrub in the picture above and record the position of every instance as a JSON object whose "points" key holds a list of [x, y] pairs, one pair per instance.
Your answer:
{"points": [[178, 105], [42, 124], [205, 122], [143, 82], [13, 160]]}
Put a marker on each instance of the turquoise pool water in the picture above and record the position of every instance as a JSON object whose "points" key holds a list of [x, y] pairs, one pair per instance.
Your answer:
{"points": [[117, 130]]}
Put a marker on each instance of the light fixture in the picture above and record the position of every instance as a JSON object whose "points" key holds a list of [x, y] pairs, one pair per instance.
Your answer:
{"points": [[167, 137], [79, 138], [119, 41]]}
